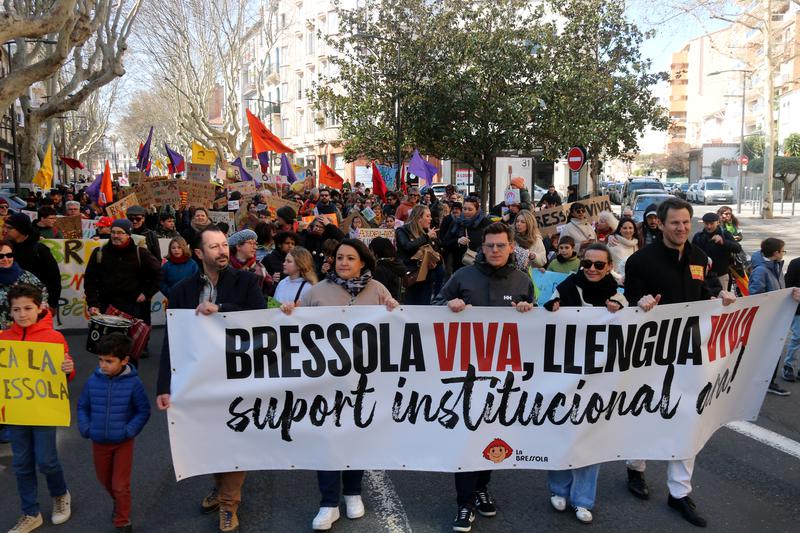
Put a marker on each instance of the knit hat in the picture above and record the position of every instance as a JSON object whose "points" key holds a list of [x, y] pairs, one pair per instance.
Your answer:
{"points": [[710, 217], [135, 211], [651, 209], [124, 224], [286, 213], [20, 222], [104, 222], [3, 201], [241, 236], [518, 182]]}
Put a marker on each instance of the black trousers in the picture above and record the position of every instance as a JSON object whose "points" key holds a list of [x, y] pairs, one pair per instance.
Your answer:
{"points": [[467, 483]]}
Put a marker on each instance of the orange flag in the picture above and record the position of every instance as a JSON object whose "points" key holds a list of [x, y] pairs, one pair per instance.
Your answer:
{"points": [[263, 139], [106, 192], [330, 178]]}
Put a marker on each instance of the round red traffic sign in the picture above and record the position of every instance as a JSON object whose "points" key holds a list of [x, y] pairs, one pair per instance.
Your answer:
{"points": [[576, 157], [744, 160]]}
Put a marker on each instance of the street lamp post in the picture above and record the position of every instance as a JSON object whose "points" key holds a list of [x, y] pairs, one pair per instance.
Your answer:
{"points": [[744, 73]]}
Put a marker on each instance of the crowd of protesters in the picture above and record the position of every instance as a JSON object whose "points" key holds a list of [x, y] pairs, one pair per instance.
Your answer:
{"points": [[438, 251]]}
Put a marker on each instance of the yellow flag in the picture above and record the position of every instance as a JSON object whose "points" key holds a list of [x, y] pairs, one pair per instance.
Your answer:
{"points": [[160, 165], [202, 155], [44, 178]]}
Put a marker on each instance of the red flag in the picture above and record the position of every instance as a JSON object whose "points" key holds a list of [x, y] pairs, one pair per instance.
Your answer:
{"points": [[263, 139], [72, 163], [378, 185], [330, 178], [403, 186], [106, 192]]}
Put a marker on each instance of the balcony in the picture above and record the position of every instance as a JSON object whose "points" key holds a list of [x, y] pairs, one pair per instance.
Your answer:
{"points": [[677, 106]]}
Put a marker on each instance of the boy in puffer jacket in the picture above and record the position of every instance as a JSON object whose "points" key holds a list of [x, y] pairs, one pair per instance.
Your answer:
{"points": [[112, 410]]}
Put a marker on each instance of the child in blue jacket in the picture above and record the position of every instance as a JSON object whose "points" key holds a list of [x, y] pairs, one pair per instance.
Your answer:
{"points": [[112, 410]]}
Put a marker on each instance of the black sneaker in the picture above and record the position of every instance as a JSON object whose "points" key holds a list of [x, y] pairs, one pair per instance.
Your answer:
{"points": [[637, 485], [485, 503], [775, 389], [788, 374], [464, 519], [688, 510]]}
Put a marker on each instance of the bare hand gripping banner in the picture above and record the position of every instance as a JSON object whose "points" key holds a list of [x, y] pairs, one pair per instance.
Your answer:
{"points": [[422, 388]]}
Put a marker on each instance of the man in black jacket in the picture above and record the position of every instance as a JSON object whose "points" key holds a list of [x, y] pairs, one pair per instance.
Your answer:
{"points": [[35, 257], [491, 281], [136, 214], [718, 244], [671, 270], [218, 288], [550, 198]]}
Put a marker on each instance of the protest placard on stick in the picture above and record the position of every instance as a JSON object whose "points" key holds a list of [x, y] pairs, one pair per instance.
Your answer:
{"points": [[551, 220], [197, 172], [70, 226], [117, 209], [198, 194], [165, 193]]}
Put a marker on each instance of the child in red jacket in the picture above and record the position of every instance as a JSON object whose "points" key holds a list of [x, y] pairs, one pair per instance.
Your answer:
{"points": [[36, 445]]}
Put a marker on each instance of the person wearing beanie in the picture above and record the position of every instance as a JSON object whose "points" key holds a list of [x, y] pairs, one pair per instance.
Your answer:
{"points": [[136, 214], [243, 245], [518, 182], [649, 231], [33, 256], [121, 274]]}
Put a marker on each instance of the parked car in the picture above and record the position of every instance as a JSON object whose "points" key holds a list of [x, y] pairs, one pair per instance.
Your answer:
{"points": [[635, 194], [681, 190], [713, 191], [615, 193], [538, 192], [691, 193], [639, 183], [438, 189], [643, 200]]}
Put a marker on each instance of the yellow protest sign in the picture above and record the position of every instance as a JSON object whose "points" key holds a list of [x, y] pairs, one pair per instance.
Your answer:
{"points": [[33, 389], [202, 155]]}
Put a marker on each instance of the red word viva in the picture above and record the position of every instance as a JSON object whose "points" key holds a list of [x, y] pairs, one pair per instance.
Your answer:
{"points": [[729, 331], [493, 343]]}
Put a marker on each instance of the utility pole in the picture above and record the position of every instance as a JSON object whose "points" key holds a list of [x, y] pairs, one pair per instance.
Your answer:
{"points": [[769, 130]]}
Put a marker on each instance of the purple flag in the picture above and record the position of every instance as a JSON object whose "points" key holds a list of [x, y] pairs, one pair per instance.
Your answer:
{"points": [[421, 168], [286, 169], [263, 161], [143, 161], [176, 163], [242, 172], [93, 190]]}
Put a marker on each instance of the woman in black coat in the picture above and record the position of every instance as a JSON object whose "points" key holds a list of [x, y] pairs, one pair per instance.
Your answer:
{"points": [[410, 238]]}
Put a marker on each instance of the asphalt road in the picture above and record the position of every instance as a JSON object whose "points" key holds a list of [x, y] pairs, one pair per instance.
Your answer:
{"points": [[740, 485]]}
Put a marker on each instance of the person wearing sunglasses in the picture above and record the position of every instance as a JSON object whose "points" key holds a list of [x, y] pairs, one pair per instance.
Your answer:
{"points": [[578, 227], [405, 207], [12, 274], [136, 214], [592, 286]]}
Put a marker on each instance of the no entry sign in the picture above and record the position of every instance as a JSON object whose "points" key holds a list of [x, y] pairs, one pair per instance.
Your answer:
{"points": [[576, 157], [744, 160]]}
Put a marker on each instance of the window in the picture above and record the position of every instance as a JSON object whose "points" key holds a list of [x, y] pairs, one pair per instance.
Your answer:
{"points": [[338, 163], [300, 123], [300, 88], [310, 42], [285, 55], [283, 20], [284, 90], [285, 127], [333, 23]]}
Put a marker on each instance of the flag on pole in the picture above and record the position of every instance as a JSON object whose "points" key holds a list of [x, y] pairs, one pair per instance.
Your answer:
{"points": [[421, 168], [242, 172], [202, 155], [106, 195], [176, 163], [402, 185], [286, 169], [93, 190], [378, 185], [328, 177], [143, 161], [74, 164], [44, 177], [263, 139]]}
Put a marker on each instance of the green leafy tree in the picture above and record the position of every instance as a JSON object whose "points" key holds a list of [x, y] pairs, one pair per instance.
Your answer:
{"points": [[787, 171], [716, 168], [754, 146], [791, 146]]}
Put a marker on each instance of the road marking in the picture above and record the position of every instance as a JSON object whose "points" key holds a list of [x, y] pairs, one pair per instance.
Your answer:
{"points": [[388, 506], [765, 436]]}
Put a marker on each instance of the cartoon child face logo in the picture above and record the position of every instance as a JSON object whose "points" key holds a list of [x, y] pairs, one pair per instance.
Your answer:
{"points": [[497, 451]]}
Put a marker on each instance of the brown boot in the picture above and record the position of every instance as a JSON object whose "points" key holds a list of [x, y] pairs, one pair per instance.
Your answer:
{"points": [[228, 521]]}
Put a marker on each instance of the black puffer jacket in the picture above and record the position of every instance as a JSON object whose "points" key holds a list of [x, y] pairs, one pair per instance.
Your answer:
{"points": [[117, 276], [407, 245], [720, 254], [36, 258], [483, 285]]}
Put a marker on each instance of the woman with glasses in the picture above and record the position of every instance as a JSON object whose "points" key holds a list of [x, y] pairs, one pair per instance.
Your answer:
{"points": [[578, 227], [592, 286], [12, 274], [729, 222]]}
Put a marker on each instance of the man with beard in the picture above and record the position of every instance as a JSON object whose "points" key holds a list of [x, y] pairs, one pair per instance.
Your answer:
{"points": [[326, 207], [649, 231], [136, 214], [216, 288]]}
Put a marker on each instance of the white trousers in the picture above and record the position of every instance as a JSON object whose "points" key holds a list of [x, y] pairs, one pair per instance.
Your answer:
{"points": [[679, 475]]}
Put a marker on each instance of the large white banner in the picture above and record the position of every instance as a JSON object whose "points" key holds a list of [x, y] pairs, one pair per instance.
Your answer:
{"points": [[423, 388]]}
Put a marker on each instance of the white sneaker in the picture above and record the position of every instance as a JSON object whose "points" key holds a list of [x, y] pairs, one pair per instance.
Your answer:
{"points": [[27, 523], [583, 514], [62, 508], [325, 518], [559, 503], [355, 506]]}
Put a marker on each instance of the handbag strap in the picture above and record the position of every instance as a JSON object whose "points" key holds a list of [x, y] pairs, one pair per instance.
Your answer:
{"points": [[297, 296]]}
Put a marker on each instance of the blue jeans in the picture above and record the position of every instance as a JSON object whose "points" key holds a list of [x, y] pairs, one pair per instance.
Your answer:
{"points": [[578, 486], [794, 345], [36, 446], [330, 485]]}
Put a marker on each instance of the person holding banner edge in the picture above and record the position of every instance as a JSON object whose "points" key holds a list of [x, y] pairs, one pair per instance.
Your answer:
{"points": [[671, 270], [493, 281], [350, 282], [217, 288]]}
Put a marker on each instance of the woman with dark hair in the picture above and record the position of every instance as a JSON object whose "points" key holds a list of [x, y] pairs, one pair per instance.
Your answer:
{"points": [[350, 282], [389, 270], [729, 222], [592, 286], [622, 244], [572, 193], [285, 241], [467, 231], [578, 227], [264, 244], [200, 221]]}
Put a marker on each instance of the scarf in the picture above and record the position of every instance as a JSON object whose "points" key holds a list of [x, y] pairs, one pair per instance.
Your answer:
{"points": [[9, 276], [596, 292], [523, 241], [628, 243], [353, 286], [128, 243], [197, 228], [178, 260], [238, 265]]}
